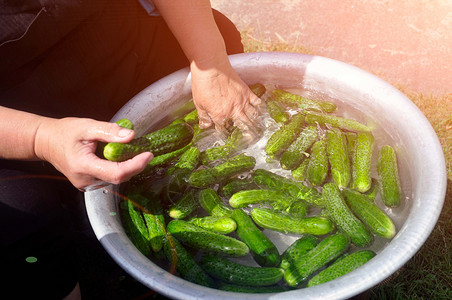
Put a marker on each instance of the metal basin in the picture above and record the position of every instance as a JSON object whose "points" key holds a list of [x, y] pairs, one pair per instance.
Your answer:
{"points": [[422, 159]]}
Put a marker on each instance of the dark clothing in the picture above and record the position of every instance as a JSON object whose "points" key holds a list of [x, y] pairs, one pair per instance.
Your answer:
{"points": [[79, 58]]}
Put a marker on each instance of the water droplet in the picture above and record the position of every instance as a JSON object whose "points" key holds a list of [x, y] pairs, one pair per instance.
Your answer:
{"points": [[105, 191], [113, 213]]}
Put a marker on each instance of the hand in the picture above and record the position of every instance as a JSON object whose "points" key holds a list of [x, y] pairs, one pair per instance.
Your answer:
{"points": [[69, 144], [221, 96]]}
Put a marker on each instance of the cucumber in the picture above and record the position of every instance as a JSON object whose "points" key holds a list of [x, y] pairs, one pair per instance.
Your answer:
{"points": [[294, 155], [261, 247], [205, 177], [299, 174], [191, 117], [277, 112], [298, 248], [297, 101], [388, 176], [343, 216], [270, 180], [284, 136], [222, 225], [373, 191], [125, 123], [258, 89], [362, 162], [251, 289], [135, 227], [165, 159], [231, 272], [261, 196], [212, 204], [233, 144], [351, 142], [205, 240], [326, 251], [298, 209], [335, 121], [341, 267], [317, 168], [181, 260], [154, 219], [368, 212], [283, 222], [236, 184], [162, 141], [336, 148], [184, 206]]}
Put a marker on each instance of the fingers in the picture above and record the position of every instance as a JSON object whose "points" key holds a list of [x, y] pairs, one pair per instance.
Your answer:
{"points": [[107, 132], [204, 119]]}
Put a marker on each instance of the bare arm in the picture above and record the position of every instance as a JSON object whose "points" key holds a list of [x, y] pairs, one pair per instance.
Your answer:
{"points": [[69, 144], [218, 92]]}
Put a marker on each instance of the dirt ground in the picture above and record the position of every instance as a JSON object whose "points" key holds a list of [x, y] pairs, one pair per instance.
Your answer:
{"points": [[407, 43]]}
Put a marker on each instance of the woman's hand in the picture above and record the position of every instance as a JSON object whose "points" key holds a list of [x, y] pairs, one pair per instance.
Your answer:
{"points": [[69, 144], [221, 97]]}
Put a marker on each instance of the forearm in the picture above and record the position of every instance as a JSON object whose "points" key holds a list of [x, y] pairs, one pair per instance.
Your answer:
{"points": [[17, 134], [193, 25]]}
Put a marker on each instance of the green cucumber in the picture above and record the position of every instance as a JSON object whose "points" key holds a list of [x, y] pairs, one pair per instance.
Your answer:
{"points": [[299, 174], [284, 136], [335, 121], [368, 212], [373, 191], [298, 248], [270, 180], [286, 223], [261, 247], [231, 272], [206, 240], [233, 144], [236, 184], [326, 251], [125, 123], [212, 204], [277, 112], [258, 89], [205, 177], [162, 141], [351, 143], [362, 162], [318, 165], [336, 148], [165, 159], [298, 209], [237, 288], [296, 152], [184, 206], [344, 217], [388, 176], [191, 117], [222, 225], [300, 102], [181, 260], [341, 267], [135, 226], [261, 196]]}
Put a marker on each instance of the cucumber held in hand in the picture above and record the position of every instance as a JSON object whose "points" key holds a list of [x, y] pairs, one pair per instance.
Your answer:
{"points": [[165, 140]]}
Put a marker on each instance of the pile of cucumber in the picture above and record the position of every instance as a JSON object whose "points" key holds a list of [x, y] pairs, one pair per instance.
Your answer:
{"points": [[193, 211]]}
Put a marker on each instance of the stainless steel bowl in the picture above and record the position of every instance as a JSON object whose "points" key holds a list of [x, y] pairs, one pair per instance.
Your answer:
{"points": [[424, 178]]}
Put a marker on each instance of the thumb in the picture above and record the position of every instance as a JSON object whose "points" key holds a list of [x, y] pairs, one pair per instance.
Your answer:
{"points": [[108, 132]]}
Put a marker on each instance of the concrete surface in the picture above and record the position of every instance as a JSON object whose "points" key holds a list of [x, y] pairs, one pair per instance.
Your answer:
{"points": [[405, 42]]}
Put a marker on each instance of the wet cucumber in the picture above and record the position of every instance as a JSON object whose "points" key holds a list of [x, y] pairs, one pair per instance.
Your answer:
{"points": [[165, 140], [284, 136], [231, 272], [125, 123], [221, 225], [181, 260], [362, 162], [261, 247], [270, 180], [343, 216], [326, 251], [191, 117], [300, 102], [299, 174], [135, 226], [341, 267], [368, 212], [298, 209], [335, 121], [296, 152], [233, 144], [277, 112], [258, 89], [388, 176], [336, 148], [205, 240], [212, 204], [298, 248], [236, 185], [184, 206], [231, 167], [238, 288], [317, 168], [261, 196], [283, 222]]}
